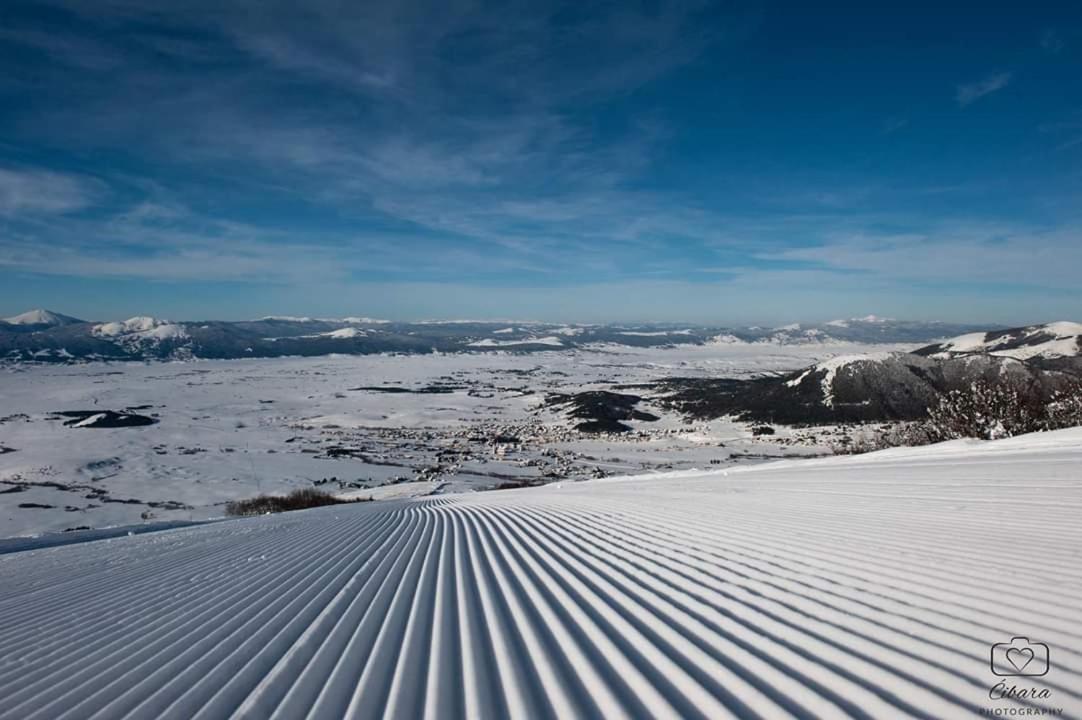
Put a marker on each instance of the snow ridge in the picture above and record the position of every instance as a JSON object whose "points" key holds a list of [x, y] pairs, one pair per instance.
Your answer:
{"points": [[1050, 340], [855, 587], [830, 369], [489, 342], [141, 332]]}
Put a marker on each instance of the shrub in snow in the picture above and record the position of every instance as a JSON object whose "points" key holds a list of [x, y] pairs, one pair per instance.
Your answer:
{"points": [[296, 500], [988, 410], [997, 410], [1065, 408]]}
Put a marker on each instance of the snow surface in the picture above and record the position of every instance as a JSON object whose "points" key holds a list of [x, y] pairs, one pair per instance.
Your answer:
{"points": [[306, 319], [89, 421], [792, 334], [970, 342], [654, 333], [548, 340], [569, 331], [1058, 347], [142, 323], [365, 321], [870, 319], [397, 491], [1063, 328], [869, 586], [345, 333]]}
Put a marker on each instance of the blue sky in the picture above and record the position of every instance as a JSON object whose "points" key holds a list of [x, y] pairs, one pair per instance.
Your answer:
{"points": [[728, 163]]}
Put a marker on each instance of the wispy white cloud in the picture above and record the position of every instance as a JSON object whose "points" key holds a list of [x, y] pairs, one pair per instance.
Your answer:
{"points": [[70, 49], [41, 191], [893, 125], [1068, 131], [972, 92], [1052, 42], [1072, 143], [958, 252], [463, 120]]}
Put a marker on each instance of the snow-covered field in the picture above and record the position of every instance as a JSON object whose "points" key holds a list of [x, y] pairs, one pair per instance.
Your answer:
{"points": [[234, 428], [870, 586]]}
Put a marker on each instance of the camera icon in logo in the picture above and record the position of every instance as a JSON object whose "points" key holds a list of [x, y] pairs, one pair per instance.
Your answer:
{"points": [[1019, 657]]}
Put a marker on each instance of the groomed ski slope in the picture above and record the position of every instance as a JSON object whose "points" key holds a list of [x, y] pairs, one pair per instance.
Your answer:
{"points": [[870, 586]]}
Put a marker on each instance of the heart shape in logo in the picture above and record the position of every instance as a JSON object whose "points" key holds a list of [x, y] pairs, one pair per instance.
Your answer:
{"points": [[1020, 657]]}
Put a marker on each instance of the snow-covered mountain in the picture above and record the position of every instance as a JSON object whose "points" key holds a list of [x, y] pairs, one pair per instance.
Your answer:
{"points": [[1050, 340], [141, 328], [145, 336], [826, 372], [866, 320], [892, 386], [42, 317]]}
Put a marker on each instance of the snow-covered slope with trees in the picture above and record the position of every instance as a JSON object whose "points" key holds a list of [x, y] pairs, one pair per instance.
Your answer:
{"points": [[1043, 363], [1050, 340], [871, 586]]}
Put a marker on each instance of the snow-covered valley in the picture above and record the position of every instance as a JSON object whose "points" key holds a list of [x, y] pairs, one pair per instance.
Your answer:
{"points": [[873, 586], [378, 425]]}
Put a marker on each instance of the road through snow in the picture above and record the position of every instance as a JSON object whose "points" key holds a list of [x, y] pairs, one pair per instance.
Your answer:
{"points": [[869, 587]]}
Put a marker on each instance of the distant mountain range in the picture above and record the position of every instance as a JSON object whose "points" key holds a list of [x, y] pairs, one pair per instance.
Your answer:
{"points": [[46, 336], [846, 388], [891, 386]]}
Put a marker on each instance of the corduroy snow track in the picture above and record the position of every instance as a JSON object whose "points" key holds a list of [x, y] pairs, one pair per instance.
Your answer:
{"points": [[864, 587]]}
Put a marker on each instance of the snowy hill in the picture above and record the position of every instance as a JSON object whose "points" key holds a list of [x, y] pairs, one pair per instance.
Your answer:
{"points": [[871, 586], [866, 320], [141, 329], [1050, 340], [826, 372], [1043, 359], [42, 317]]}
